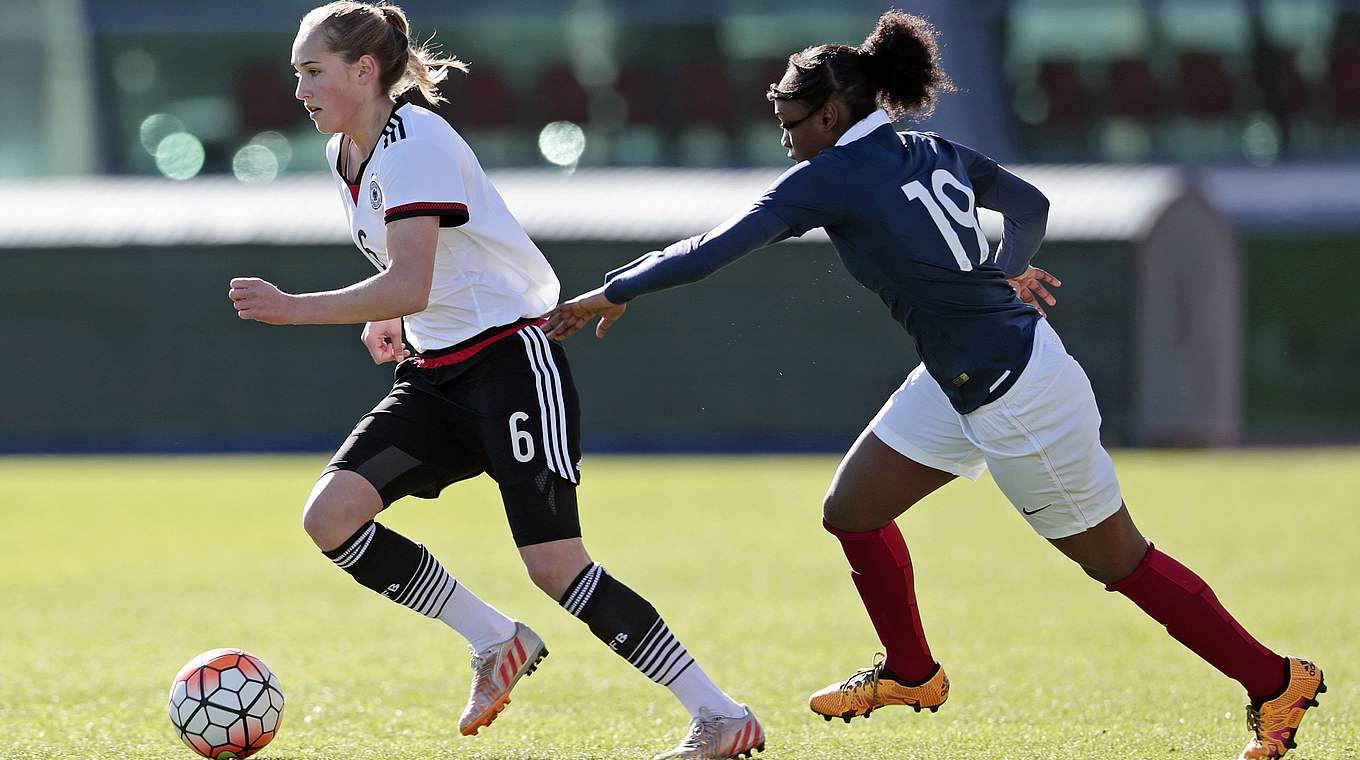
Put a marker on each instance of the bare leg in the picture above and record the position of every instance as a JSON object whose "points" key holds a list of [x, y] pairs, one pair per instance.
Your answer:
{"points": [[874, 484], [1108, 552], [341, 503], [554, 565]]}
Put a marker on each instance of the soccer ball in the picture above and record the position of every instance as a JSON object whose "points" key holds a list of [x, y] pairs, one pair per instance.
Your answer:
{"points": [[225, 703]]}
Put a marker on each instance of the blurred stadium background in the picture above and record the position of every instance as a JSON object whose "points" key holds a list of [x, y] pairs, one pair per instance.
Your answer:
{"points": [[1203, 157]]}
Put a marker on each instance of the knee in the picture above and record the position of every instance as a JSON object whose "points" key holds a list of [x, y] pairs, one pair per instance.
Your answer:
{"points": [[324, 523], [1101, 574], [834, 508], [333, 513], [1116, 566], [843, 512], [318, 521], [552, 578]]}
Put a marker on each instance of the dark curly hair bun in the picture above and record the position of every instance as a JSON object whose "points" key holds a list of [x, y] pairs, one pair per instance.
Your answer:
{"points": [[901, 60]]}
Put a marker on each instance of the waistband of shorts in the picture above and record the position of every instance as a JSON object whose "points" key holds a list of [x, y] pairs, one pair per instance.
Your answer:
{"points": [[461, 352]]}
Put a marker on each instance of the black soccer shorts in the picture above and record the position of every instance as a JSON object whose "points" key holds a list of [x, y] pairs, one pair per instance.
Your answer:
{"points": [[503, 403]]}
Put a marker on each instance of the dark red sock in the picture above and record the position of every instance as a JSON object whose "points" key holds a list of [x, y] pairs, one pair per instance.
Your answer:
{"points": [[881, 569], [1180, 600]]}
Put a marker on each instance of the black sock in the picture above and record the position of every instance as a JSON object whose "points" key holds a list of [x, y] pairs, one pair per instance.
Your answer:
{"points": [[627, 623], [886, 674], [396, 567]]}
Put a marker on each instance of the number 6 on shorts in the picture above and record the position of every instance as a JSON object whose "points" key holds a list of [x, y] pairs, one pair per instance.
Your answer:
{"points": [[521, 443]]}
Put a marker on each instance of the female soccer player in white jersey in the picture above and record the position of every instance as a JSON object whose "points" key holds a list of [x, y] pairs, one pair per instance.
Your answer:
{"points": [[996, 389], [480, 389]]}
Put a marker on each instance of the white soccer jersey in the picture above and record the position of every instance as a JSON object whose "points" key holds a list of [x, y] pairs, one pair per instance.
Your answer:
{"points": [[487, 271]]}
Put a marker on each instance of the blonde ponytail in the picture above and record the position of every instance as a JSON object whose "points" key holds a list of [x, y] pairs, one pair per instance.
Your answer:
{"points": [[354, 29], [424, 68]]}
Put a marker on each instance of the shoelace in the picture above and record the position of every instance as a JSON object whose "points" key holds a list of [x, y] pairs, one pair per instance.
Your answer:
{"points": [[1254, 720], [868, 676], [481, 668], [703, 731]]}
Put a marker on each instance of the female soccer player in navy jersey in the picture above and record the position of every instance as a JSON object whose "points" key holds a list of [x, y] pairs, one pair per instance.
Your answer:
{"points": [[995, 390], [481, 388]]}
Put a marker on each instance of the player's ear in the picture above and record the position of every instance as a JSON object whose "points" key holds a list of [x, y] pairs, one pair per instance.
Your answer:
{"points": [[366, 68], [831, 116]]}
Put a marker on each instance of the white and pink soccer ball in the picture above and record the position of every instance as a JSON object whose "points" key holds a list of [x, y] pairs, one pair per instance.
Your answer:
{"points": [[226, 704]]}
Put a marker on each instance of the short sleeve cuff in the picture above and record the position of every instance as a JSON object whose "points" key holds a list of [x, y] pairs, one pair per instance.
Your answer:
{"points": [[450, 214]]}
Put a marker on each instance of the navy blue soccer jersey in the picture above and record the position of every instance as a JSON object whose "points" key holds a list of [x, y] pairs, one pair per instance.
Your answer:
{"points": [[900, 209]]}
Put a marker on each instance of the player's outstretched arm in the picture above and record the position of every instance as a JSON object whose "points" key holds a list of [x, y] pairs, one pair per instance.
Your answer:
{"points": [[568, 319], [687, 261], [402, 289]]}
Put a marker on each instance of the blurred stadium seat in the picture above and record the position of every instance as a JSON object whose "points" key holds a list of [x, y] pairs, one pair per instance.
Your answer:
{"points": [[706, 91], [1293, 92], [481, 99], [1205, 89], [263, 94], [560, 96], [1343, 85], [1134, 92], [644, 87], [1070, 100]]}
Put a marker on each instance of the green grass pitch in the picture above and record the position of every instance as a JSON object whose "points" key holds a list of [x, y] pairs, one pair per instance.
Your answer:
{"points": [[114, 572]]}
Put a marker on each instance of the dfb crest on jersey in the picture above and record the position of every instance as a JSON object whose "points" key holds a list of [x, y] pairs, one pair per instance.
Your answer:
{"points": [[375, 195]]}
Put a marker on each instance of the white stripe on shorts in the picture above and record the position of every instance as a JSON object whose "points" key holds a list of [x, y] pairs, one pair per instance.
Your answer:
{"points": [[539, 386], [551, 409], [561, 420]]}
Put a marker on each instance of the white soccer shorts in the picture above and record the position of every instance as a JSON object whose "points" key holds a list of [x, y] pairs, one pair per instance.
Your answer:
{"points": [[1041, 439]]}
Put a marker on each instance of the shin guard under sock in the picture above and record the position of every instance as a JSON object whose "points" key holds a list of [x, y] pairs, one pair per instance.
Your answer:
{"points": [[881, 569], [1174, 596], [631, 626], [405, 572]]}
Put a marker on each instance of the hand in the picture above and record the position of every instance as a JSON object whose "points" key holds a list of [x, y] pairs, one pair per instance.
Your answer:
{"points": [[261, 301], [568, 319], [383, 341], [1030, 287]]}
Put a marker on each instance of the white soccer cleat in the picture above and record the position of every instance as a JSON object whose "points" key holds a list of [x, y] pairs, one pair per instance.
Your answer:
{"points": [[717, 737], [495, 671]]}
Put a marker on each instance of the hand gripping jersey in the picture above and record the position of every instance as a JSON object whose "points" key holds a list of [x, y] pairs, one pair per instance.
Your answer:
{"points": [[901, 212], [487, 271]]}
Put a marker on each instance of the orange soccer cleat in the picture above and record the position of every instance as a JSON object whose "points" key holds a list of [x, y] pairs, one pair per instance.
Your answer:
{"points": [[867, 691], [1276, 721]]}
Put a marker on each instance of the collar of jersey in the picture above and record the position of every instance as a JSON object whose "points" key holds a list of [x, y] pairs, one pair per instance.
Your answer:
{"points": [[864, 126], [359, 177]]}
